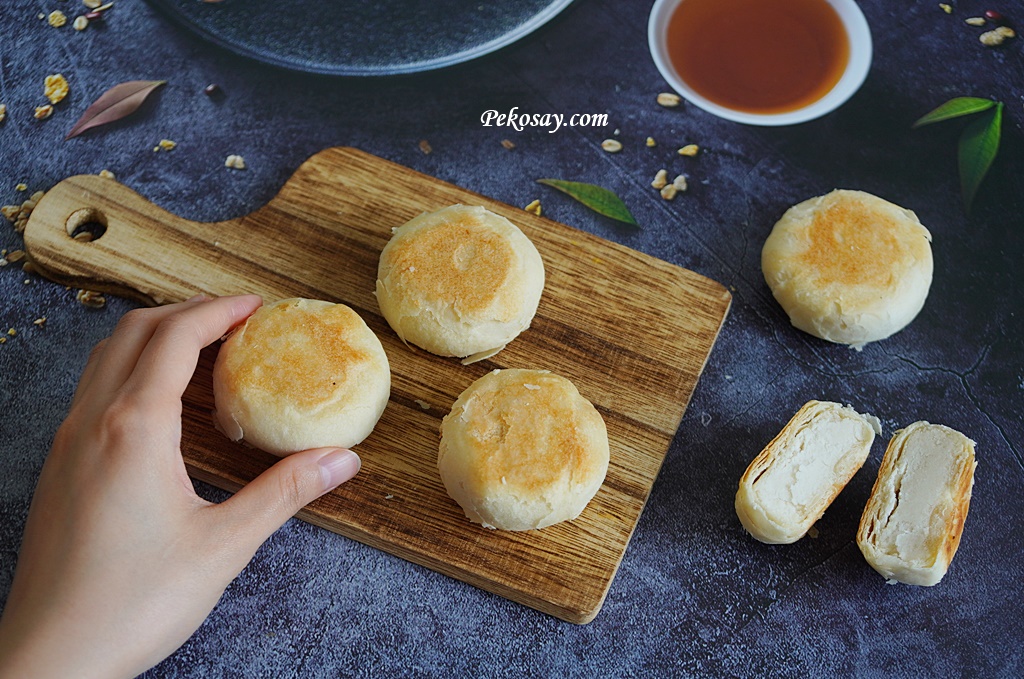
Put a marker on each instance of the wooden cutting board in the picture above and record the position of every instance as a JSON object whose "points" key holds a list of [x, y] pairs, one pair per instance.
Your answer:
{"points": [[631, 331]]}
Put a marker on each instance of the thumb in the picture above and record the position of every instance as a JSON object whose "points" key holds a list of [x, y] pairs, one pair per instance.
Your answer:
{"points": [[273, 497]]}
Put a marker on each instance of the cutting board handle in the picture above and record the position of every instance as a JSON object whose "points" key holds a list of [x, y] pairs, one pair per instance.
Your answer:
{"points": [[142, 251]]}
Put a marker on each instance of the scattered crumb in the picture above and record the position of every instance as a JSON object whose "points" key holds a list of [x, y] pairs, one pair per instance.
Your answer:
{"points": [[92, 4], [660, 179], [1006, 32], [15, 256], [689, 150], [3, 340], [650, 141], [235, 162], [996, 37], [892, 582], [948, 9], [107, 174], [611, 145], [507, 144], [91, 299], [425, 147], [533, 207], [389, 496], [57, 18], [43, 112], [3, 112], [422, 404], [21, 187], [55, 88], [812, 532], [80, 24], [616, 132], [975, 21], [669, 100], [41, 321], [669, 192], [166, 145], [12, 332], [680, 183]]}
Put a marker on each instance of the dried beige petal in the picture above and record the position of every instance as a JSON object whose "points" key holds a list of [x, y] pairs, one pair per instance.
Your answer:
{"points": [[533, 207], [660, 179], [91, 299], [975, 21], [57, 18], [425, 146], [43, 112], [80, 24], [680, 183], [650, 141], [507, 144], [107, 174], [611, 145], [689, 150], [668, 192], [55, 88], [669, 100]]}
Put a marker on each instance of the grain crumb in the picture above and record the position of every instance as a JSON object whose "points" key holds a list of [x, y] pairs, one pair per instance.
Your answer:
{"points": [[80, 24], [166, 145], [425, 147], [689, 150], [107, 174], [1006, 32], [650, 142], [41, 321], [3, 112], [669, 100], [975, 21], [43, 112], [235, 162], [21, 187], [91, 299], [680, 183], [611, 145], [15, 256], [534, 207], [948, 9], [55, 88], [12, 332], [422, 404], [508, 144], [660, 179], [57, 18], [92, 4], [669, 191], [996, 37]]}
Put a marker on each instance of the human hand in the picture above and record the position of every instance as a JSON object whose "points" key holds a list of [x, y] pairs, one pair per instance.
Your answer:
{"points": [[121, 561]]}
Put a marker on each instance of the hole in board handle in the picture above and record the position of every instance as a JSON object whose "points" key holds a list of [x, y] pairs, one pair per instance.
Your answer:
{"points": [[87, 225]]}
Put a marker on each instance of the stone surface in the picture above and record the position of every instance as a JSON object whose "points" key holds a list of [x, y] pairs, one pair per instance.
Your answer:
{"points": [[695, 595]]}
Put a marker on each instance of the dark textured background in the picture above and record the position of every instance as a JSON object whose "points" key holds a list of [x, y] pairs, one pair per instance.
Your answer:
{"points": [[695, 595]]}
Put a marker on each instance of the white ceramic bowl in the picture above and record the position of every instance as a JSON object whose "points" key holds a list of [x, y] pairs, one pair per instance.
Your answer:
{"points": [[857, 67]]}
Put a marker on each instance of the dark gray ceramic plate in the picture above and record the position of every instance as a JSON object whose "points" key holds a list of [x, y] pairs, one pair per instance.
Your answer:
{"points": [[362, 37]]}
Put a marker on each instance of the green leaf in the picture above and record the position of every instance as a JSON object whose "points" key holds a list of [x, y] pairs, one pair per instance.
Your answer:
{"points": [[954, 108], [597, 198], [979, 144]]}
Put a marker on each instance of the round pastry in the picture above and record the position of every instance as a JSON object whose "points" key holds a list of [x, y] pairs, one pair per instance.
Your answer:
{"points": [[522, 449], [849, 267], [301, 374], [461, 281]]}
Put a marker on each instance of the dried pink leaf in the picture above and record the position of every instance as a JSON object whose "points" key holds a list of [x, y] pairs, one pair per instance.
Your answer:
{"points": [[116, 103]]}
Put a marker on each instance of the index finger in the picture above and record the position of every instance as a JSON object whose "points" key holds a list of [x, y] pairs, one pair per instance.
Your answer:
{"points": [[167, 363]]}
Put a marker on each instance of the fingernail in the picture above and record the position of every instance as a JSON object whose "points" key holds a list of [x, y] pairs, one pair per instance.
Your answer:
{"points": [[198, 298], [338, 467]]}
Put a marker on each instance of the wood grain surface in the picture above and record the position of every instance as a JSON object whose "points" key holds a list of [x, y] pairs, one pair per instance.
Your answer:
{"points": [[631, 331]]}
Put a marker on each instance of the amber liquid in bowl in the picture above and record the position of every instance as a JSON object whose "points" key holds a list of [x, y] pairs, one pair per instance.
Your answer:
{"points": [[758, 56]]}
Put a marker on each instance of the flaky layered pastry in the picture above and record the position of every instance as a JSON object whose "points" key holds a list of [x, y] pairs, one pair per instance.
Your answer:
{"points": [[301, 374], [461, 281], [849, 267], [911, 526], [791, 483], [522, 449]]}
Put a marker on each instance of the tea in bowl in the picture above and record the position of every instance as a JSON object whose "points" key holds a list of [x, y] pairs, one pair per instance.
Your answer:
{"points": [[758, 62]]}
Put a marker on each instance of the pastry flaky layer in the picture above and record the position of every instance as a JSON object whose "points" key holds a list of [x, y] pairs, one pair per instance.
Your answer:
{"points": [[911, 526], [849, 267], [461, 281], [791, 483], [522, 449], [301, 374]]}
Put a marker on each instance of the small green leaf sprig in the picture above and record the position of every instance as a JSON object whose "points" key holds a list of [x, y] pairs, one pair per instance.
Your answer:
{"points": [[979, 142], [597, 198]]}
